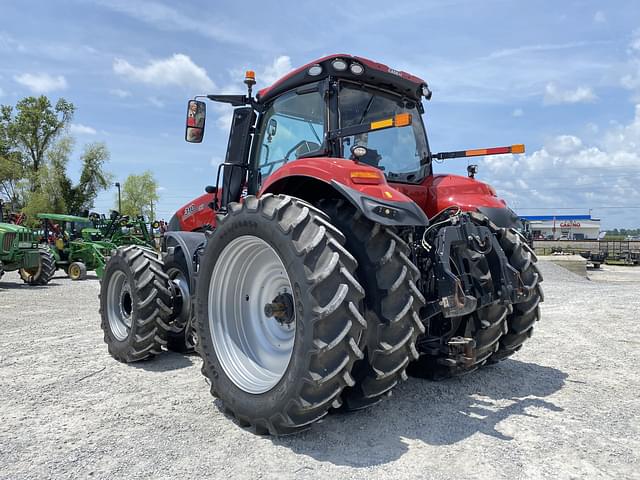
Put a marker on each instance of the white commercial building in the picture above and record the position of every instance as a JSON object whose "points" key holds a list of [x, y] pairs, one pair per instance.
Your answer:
{"points": [[563, 227]]}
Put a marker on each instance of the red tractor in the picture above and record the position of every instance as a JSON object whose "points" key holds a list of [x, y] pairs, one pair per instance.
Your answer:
{"points": [[328, 258]]}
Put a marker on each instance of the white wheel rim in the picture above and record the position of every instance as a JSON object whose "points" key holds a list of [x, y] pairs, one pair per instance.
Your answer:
{"points": [[253, 348], [119, 305]]}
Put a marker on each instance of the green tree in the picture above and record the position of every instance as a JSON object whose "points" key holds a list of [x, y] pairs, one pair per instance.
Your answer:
{"points": [[93, 179], [139, 193], [34, 128], [11, 164], [34, 155], [11, 172]]}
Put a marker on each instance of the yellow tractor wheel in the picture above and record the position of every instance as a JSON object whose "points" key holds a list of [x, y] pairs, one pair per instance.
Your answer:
{"points": [[77, 271]]}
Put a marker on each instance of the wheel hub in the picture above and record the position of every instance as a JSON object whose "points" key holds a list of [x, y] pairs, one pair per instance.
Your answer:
{"points": [[249, 289], [181, 298], [281, 308]]}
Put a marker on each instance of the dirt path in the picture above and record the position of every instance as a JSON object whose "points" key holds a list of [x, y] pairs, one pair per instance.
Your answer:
{"points": [[566, 406]]}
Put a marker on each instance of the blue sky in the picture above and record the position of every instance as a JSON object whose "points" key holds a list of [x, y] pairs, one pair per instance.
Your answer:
{"points": [[561, 77]]}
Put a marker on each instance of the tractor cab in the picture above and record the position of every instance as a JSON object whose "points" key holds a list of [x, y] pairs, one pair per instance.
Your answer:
{"points": [[334, 125]]}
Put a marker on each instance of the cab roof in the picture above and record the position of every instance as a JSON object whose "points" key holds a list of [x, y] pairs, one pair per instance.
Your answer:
{"points": [[376, 74]]}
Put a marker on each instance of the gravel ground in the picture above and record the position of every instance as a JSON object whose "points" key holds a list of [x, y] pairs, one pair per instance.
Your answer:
{"points": [[566, 406]]}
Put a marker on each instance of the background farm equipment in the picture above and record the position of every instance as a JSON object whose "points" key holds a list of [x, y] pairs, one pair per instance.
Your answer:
{"points": [[597, 252], [7, 216], [75, 244], [19, 250], [333, 259], [123, 230]]}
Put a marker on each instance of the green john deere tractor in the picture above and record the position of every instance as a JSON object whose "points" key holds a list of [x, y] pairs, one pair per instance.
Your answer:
{"points": [[75, 244], [19, 250]]}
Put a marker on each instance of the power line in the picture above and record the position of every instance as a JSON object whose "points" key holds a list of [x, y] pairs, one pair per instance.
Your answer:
{"points": [[583, 207]]}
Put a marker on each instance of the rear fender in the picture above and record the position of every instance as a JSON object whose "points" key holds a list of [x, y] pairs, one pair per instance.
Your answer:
{"points": [[188, 243], [314, 179]]}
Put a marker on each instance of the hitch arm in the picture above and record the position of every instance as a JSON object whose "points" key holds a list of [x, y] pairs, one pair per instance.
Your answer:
{"points": [[519, 148]]}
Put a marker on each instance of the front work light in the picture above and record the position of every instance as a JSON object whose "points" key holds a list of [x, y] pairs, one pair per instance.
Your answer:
{"points": [[426, 92], [339, 65], [314, 70], [356, 69]]}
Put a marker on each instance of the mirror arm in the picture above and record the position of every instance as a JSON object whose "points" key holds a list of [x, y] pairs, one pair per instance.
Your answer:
{"points": [[234, 100]]}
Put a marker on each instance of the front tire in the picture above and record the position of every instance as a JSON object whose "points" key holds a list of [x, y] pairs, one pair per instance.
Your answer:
{"points": [[77, 271], [134, 304], [280, 373]]}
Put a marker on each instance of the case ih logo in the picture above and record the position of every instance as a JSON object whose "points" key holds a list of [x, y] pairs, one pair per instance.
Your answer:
{"points": [[191, 209], [395, 72], [571, 224]]}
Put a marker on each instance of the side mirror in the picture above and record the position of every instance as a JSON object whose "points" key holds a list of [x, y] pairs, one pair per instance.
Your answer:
{"points": [[272, 128], [196, 115]]}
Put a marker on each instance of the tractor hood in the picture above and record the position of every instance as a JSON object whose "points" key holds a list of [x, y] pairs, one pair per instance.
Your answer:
{"points": [[11, 228]]}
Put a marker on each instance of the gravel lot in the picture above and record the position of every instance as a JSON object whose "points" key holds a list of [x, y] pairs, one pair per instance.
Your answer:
{"points": [[566, 406]]}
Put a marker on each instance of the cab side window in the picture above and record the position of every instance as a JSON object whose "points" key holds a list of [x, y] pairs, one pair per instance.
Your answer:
{"points": [[293, 126]]}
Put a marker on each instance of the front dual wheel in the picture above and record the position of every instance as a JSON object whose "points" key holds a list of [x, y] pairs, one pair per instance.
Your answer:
{"points": [[278, 314]]}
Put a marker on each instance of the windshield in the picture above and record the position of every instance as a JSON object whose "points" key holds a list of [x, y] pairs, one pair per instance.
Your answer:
{"points": [[399, 152]]}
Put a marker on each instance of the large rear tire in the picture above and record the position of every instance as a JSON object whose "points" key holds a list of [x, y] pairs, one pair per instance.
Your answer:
{"points": [[44, 272], [134, 304], [392, 303], [278, 364], [519, 324]]}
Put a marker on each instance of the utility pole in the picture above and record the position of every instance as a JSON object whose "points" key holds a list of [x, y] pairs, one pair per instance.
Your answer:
{"points": [[119, 199], [151, 219]]}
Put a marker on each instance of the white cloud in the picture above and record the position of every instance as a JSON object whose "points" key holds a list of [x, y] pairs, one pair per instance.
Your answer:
{"points": [[563, 144], [631, 79], [10, 44], [280, 67], [178, 69], [599, 17], [554, 95], [166, 18], [224, 116], [265, 76], [635, 43], [569, 172], [542, 47], [41, 82], [118, 92], [518, 112], [79, 129]]}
